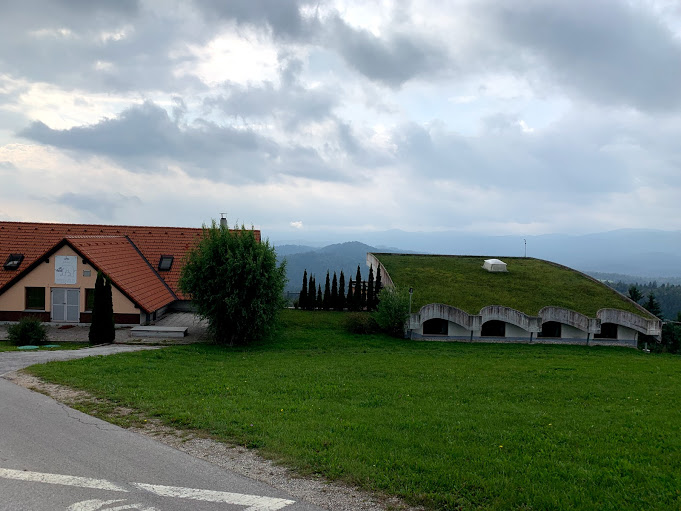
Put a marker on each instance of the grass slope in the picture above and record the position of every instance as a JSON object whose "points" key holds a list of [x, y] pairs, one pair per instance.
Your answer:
{"points": [[452, 426], [529, 284]]}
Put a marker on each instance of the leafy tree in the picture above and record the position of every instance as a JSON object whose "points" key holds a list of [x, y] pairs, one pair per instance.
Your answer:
{"points": [[334, 292], [635, 294], [235, 283], [102, 326], [653, 306], [341, 292], [302, 299], [326, 301], [393, 311], [370, 289]]}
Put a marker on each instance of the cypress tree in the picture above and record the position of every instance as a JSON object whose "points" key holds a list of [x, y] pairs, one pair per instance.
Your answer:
{"points": [[102, 327], [326, 302], [341, 292], [364, 297], [302, 299], [312, 294], [370, 289], [109, 333], [358, 290], [320, 300], [334, 292], [350, 301]]}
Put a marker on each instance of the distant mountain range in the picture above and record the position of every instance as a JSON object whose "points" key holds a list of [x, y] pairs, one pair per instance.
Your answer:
{"points": [[341, 256], [634, 255]]}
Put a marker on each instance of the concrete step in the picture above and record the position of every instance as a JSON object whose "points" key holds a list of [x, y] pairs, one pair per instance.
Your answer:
{"points": [[164, 332]]}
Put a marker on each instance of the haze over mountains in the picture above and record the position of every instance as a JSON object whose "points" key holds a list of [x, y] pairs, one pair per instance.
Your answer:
{"points": [[635, 253]]}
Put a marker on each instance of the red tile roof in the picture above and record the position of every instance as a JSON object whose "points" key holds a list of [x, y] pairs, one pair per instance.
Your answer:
{"points": [[35, 240], [126, 268]]}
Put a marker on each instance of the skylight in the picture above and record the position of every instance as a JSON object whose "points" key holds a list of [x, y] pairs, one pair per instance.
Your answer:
{"points": [[13, 261], [165, 263]]}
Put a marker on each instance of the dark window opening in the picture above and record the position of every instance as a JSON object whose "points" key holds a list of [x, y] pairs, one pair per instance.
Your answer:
{"points": [[608, 331], [493, 328], [435, 326], [89, 300], [13, 261], [35, 298], [551, 329], [165, 263]]}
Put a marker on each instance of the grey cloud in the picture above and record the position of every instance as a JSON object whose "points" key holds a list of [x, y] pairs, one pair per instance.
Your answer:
{"points": [[391, 61], [7, 165], [32, 46], [609, 51], [569, 161], [97, 205], [283, 17], [145, 139], [290, 102]]}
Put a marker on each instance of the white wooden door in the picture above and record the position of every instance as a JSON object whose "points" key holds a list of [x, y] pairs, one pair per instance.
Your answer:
{"points": [[66, 305]]}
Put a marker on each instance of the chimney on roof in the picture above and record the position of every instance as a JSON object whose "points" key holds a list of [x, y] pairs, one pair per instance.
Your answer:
{"points": [[223, 220]]}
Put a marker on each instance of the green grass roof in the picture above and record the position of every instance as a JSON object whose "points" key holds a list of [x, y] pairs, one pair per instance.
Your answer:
{"points": [[529, 284]]}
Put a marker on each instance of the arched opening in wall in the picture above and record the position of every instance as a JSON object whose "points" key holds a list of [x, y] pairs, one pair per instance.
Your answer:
{"points": [[435, 326], [608, 331], [551, 329], [493, 328]]}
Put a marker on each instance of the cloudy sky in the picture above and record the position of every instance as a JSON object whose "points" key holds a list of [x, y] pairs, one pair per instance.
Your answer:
{"points": [[501, 117]]}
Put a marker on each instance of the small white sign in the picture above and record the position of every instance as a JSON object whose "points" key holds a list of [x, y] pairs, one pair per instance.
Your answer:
{"points": [[65, 269]]}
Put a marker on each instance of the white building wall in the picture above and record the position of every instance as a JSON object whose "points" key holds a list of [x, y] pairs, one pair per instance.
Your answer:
{"points": [[516, 331], [456, 330], [570, 332], [624, 333]]}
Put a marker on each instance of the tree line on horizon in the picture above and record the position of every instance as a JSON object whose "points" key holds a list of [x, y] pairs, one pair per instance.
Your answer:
{"points": [[361, 294]]}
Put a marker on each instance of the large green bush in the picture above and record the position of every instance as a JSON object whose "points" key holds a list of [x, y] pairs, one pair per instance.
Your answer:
{"points": [[28, 331], [393, 310], [235, 283]]}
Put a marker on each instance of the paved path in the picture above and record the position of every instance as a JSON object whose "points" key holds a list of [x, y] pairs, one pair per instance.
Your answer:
{"points": [[55, 458], [14, 360]]}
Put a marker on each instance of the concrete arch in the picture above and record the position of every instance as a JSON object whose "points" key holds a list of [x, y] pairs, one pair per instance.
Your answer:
{"points": [[449, 313], [630, 320], [570, 318], [531, 324]]}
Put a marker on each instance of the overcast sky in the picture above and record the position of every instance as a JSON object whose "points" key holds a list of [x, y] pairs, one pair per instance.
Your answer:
{"points": [[493, 116]]}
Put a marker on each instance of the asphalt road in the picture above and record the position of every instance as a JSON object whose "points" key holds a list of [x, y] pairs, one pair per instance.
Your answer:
{"points": [[55, 458]]}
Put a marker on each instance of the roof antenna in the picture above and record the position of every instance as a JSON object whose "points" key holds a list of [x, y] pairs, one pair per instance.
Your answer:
{"points": [[223, 220]]}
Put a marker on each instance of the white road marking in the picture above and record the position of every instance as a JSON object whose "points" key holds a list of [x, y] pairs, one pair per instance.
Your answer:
{"points": [[98, 505], [255, 502], [83, 482]]}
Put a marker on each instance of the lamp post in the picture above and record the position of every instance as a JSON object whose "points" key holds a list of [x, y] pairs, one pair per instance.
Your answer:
{"points": [[525, 246], [411, 292]]}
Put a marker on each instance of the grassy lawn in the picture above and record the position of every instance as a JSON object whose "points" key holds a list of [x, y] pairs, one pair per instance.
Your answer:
{"points": [[6, 346], [446, 425], [529, 284]]}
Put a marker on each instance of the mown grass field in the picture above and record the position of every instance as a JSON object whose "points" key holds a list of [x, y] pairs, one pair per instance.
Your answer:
{"points": [[529, 284], [447, 425]]}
